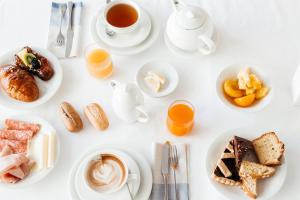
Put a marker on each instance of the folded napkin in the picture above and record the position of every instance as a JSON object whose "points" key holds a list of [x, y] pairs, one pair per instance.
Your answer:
{"points": [[181, 174], [54, 28]]}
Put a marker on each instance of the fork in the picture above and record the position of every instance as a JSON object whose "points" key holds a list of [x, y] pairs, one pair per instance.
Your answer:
{"points": [[60, 40], [174, 165]]}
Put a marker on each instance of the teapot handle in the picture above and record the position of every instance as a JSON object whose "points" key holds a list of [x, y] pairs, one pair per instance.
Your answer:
{"points": [[143, 116], [209, 47], [114, 83]]}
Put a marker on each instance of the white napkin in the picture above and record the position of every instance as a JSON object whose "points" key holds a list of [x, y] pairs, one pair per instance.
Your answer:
{"points": [[59, 51], [181, 174]]}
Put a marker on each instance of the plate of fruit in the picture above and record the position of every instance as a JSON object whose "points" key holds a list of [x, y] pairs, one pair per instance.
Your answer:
{"points": [[244, 88]]}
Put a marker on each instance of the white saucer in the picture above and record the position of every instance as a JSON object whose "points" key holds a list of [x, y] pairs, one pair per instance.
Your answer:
{"points": [[160, 67], [128, 50], [180, 52], [35, 176], [267, 188], [85, 193], [142, 192], [47, 88], [125, 39]]}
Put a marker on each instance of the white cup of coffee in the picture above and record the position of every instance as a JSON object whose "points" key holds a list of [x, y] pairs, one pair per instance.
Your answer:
{"points": [[106, 173], [122, 16]]}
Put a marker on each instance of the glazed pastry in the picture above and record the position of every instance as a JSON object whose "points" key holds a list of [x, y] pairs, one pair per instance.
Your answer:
{"points": [[34, 63], [243, 150], [18, 83], [225, 171]]}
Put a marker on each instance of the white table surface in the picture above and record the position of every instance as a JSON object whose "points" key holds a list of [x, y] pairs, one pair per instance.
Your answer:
{"points": [[263, 32]]}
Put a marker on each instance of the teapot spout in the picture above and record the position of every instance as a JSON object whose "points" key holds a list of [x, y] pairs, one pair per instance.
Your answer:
{"points": [[114, 83]]}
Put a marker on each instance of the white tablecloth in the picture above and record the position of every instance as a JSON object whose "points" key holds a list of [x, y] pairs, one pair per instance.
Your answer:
{"points": [[261, 32]]}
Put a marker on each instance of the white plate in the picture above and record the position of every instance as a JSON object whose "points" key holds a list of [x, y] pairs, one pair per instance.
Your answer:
{"points": [[86, 193], [126, 39], [144, 190], [128, 50], [35, 176], [47, 88], [231, 72], [267, 188], [160, 67]]}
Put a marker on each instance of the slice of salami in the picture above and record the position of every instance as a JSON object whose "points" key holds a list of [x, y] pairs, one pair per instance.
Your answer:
{"points": [[16, 145], [12, 124], [21, 135]]}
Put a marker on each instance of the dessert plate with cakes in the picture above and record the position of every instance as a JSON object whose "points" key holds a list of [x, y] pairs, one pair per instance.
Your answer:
{"points": [[28, 77], [29, 150], [249, 161]]}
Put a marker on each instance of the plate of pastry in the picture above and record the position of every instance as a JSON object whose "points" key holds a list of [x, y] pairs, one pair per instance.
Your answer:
{"points": [[29, 77], [247, 164], [29, 149]]}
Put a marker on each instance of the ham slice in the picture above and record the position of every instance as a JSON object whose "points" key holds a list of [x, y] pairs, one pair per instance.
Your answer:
{"points": [[12, 161], [6, 151], [12, 124], [17, 172], [15, 145], [21, 135], [8, 178]]}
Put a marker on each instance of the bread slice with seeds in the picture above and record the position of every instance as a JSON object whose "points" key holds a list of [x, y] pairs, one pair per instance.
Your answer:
{"points": [[255, 170], [269, 149], [249, 186]]}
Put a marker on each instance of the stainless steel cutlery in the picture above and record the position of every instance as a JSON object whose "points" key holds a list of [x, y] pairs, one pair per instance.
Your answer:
{"points": [[70, 31], [174, 166], [165, 166], [60, 39]]}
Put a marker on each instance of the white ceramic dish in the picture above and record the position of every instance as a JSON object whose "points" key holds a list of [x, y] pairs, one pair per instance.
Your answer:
{"points": [[267, 188], [231, 73], [123, 40], [160, 67], [155, 27], [35, 176], [47, 88], [142, 192]]}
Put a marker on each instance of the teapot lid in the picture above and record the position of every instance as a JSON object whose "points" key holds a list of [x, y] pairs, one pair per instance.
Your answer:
{"points": [[190, 17]]}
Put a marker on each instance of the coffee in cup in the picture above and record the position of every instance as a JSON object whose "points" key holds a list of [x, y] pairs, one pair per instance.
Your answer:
{"points": [[106, 174]]}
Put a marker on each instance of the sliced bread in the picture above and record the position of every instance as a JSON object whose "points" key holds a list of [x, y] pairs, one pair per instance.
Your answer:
{"points": [[269, 149], [249, 186], [255, 170]]}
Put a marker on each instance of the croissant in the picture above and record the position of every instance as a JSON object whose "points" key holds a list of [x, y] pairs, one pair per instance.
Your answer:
{"points": [[18, 83], [34, 63]]}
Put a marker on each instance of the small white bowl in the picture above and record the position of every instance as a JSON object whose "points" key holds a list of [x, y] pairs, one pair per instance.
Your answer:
{"points": [[231, 72], [163, 68]]}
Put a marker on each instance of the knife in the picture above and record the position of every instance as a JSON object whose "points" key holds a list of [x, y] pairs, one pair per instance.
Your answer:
{"points": [[70, 31], [165, 166]]}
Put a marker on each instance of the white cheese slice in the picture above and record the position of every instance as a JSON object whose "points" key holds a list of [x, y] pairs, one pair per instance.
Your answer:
{"points": [[51, 150], [38, 151]]}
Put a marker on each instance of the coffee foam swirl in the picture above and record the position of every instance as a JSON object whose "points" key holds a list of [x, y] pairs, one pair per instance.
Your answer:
{"points": [[107, 174]]}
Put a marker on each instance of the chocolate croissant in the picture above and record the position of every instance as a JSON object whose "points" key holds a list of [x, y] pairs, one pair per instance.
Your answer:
{"points": [[18, 83], [34, 63]]}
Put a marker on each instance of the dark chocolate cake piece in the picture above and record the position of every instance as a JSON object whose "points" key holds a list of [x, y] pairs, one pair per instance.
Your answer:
{"points": [[225, 171], [243, 150]]}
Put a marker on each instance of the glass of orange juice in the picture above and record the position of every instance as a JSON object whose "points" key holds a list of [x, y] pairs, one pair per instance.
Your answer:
{"points": [[98, 61], [180, 120]]}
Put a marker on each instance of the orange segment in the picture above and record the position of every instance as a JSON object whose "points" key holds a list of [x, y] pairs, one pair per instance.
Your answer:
{"points": [[231, 88], [261, 93], [245, 101]]}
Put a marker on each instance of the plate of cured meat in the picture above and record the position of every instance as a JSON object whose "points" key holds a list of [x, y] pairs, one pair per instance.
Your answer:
{"points": [[29, 149], [29, 77]]}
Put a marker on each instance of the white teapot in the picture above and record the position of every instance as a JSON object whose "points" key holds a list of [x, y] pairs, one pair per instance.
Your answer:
{"points": [[128, 102], [191, 29]]}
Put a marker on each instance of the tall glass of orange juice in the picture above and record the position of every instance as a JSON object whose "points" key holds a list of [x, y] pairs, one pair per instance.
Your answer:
{"points": [[98, 61], [180, 120]]}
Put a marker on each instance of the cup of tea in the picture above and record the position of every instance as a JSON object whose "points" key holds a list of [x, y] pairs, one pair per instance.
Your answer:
{"points": [[122, 16], [106, 173]]}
